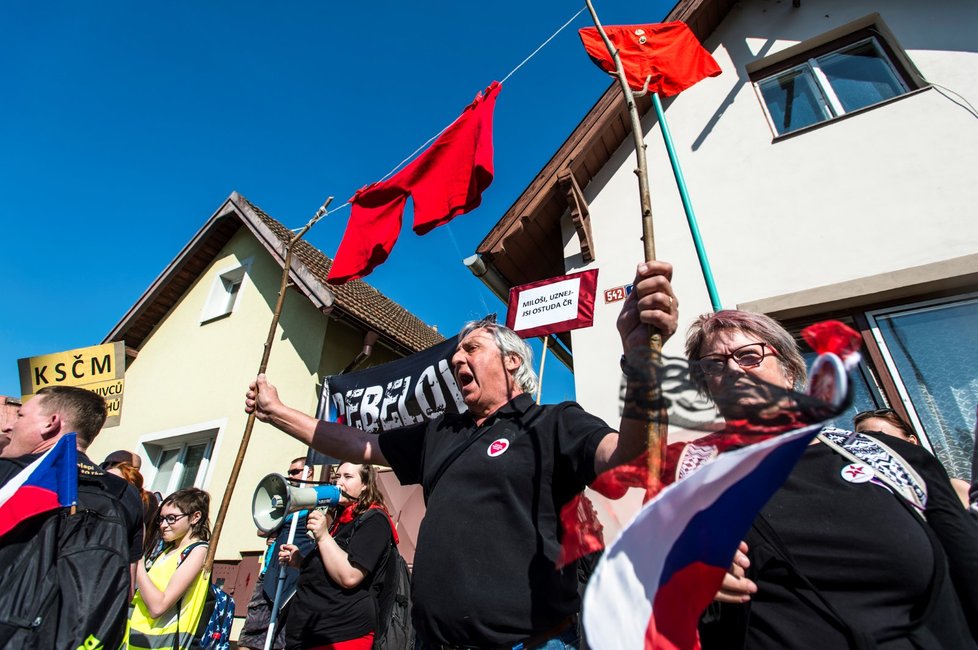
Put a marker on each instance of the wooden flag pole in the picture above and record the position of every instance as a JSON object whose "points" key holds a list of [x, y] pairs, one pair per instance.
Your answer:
{"points": [[657, 424], [543, 359], [239, 459]]}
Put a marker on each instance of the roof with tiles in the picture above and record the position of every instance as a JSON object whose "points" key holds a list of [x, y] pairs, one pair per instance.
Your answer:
{"points": [[356, 302], [357, 297]]}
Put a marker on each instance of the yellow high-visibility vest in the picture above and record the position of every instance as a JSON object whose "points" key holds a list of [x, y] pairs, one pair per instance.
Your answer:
{"points": [[175, 628]]}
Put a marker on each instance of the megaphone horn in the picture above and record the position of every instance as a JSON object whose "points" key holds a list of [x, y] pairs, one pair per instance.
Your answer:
{"points": [[275, 499]]}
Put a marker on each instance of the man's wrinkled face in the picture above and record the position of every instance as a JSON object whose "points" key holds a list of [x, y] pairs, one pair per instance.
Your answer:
{"points": [[29, 430], [482, 372]]}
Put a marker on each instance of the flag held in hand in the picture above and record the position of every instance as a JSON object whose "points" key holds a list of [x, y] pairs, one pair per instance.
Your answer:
{"points": [[49, 482], [655, 580]]}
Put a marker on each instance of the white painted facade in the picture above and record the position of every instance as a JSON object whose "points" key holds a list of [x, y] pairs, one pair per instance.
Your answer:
{"points": [[836, 215]]}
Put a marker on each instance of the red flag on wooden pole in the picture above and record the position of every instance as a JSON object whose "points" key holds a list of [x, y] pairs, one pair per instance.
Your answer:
{"points": [[667, 54]]}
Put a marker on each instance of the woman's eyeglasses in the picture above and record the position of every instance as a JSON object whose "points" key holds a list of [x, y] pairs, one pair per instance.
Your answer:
{"points": [[170, 519], [746, 356]]}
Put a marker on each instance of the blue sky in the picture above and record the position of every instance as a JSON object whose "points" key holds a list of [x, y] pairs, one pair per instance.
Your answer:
{"points": [[123, 126]]}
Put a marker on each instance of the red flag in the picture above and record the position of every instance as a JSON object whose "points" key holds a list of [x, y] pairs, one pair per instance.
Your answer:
{"points": [[445, 181], [832, 336], [668, 52]]}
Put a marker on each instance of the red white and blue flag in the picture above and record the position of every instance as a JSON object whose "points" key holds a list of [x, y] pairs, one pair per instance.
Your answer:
{"points": [[49, 482], [657, 578]]}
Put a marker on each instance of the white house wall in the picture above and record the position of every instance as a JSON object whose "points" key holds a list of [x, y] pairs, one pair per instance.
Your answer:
{"points": [[873, 193]]}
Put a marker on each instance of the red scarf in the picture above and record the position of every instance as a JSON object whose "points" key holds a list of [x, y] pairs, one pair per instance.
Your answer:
{"points": [[347, 516]]}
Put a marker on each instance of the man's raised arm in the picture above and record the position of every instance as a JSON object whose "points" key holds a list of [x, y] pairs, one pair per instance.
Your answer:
{"points": [[330, 438], [651, 304]]}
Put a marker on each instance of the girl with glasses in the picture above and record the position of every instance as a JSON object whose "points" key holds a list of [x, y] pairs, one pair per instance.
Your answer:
{"points": [[171, 586]]}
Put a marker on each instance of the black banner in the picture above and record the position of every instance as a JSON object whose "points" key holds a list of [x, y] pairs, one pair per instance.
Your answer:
{"points": [[393, 395]]}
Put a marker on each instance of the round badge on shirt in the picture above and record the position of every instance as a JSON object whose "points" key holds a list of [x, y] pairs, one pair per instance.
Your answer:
{"points": [[498, 447], [858, 473]]}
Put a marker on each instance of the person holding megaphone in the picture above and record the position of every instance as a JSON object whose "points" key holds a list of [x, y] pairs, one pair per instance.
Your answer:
{"points": [[335, 605]]}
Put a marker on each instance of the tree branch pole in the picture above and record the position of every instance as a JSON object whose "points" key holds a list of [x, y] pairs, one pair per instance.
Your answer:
{"points": [[239, 459], [657, 424]]}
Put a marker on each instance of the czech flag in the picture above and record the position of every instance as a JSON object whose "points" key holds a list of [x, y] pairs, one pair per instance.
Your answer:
{"points": [[657, 578], [49, 482]]}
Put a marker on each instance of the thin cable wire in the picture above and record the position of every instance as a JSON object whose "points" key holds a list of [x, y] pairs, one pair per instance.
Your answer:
{"points": [[562, 28], [342, 207], [967, 105], [511, 73]]}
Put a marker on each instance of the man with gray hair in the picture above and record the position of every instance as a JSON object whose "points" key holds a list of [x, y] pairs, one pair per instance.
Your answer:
{"points": [[495, 479]]}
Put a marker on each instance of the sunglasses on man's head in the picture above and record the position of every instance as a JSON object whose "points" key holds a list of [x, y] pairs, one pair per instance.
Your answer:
{"points": [[874, 414]]}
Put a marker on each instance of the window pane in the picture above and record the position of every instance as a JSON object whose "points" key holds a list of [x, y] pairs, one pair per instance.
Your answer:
{"points": [[793, 100], [860, 76], [232, 290], [164, 470], [935, 350], [191, 465]]}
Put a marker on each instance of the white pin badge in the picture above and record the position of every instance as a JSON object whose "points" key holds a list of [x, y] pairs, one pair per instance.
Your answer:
{"points": [[498, 447], [857, 472]]}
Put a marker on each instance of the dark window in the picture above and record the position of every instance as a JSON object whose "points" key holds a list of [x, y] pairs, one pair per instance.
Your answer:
{"points": [[830, 81]]}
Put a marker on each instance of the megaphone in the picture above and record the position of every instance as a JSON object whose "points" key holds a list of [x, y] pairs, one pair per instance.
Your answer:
{"points": [[275, 499]]}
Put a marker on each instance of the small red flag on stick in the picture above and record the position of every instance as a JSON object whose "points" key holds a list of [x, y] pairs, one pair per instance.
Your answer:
{"points": [[667, 55]]}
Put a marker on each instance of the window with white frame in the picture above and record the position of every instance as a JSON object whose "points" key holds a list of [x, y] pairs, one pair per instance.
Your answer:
{"points": [[224, 293], [180, 461], [831, 80]]}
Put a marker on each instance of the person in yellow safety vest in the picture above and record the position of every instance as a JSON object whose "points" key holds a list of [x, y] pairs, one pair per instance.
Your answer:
{"points": [[170, 585]]}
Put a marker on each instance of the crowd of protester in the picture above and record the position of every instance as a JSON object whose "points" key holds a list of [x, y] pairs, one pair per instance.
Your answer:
{"points": [[831, 561]]}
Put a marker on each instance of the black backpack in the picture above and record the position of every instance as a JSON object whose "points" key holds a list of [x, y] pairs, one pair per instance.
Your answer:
{"points": [[394, 628], [64, 578]]}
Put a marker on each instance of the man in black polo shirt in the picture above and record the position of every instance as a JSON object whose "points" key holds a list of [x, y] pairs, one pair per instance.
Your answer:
{"points": [[103, 596], [495, 479]]}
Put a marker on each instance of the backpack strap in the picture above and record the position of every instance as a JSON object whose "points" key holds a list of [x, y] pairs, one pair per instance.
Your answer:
{"points": [[185, 553], [478, 433], [889, 467]]}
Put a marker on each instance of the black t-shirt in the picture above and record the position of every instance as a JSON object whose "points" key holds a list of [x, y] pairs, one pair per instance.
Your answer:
{"points": [[484, 572], [867, 554], [322, 611], [93, 478]]}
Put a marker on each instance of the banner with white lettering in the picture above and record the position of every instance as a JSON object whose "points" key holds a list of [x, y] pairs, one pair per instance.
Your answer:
{"points": [[393, 395], [554, 305]]}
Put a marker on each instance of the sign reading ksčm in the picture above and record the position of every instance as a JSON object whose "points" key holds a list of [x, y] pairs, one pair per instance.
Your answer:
{"points": [[98, 368]]}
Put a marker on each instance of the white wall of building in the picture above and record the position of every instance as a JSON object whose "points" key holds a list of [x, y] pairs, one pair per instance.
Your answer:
{"points": [[887, 189]]}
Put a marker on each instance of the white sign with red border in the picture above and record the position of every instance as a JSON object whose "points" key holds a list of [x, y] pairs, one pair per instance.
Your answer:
{"points": [[554, 305]]}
